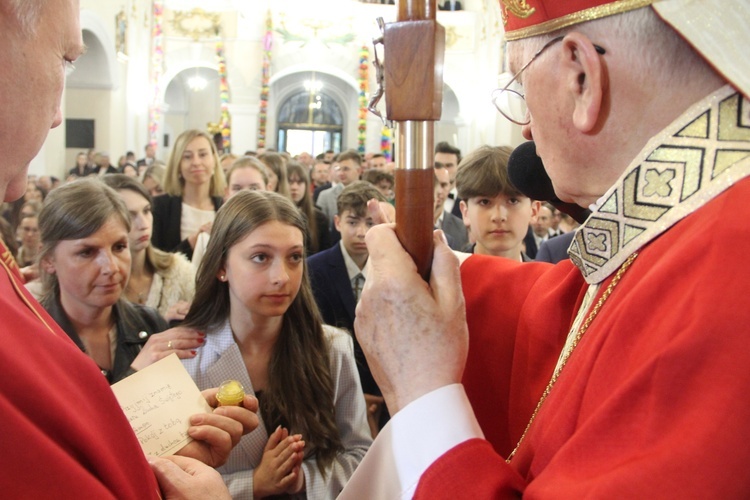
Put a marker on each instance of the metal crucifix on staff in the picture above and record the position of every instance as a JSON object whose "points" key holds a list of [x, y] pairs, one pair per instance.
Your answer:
{"points": [[411, 77]]}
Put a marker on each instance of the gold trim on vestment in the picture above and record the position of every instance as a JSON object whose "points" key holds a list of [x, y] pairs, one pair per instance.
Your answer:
{"points": [[577, 18], [693, 160]]}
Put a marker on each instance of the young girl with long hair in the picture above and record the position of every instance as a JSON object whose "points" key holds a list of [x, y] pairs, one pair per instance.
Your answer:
{"points": [[318, 235], [158, 279], [277, 178], [253, 300]]}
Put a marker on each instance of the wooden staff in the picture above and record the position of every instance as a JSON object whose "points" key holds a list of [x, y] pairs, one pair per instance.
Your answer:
{"points": [[414, 48]]}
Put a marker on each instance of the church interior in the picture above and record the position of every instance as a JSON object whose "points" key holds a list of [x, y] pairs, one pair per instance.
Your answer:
{"points": [[290, 75]]}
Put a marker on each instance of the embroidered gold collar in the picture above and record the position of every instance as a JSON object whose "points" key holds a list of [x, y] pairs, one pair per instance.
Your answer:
{"points": [[692, 161]]}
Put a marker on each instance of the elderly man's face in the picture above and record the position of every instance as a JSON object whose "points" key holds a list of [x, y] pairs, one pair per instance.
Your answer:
{"points": [[31, 83]]}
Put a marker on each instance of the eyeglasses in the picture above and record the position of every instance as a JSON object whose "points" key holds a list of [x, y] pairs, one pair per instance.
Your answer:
{"points": [[509, 99]]}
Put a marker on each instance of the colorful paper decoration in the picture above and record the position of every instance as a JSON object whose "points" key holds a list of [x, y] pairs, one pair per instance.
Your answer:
{"points": [[364, 87], [264, 79], [157, 68], [385, 142], [226, 120]]}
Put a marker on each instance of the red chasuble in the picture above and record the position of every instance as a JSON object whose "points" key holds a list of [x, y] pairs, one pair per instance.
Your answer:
{"points": [[653, 402], [63, 434]]}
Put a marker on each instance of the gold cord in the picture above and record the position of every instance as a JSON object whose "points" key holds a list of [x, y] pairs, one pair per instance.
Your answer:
{"points": [[589, 319], [16, 287]]}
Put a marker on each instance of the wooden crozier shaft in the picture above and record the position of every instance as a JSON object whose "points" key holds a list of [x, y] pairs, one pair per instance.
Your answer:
{"points": [[415, 192], [414, 51]]}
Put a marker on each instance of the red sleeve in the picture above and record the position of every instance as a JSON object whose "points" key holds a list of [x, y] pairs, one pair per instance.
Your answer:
{"points": [[470, 470]]}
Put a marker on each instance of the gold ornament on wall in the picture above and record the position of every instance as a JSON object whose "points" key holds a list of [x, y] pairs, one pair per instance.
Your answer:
{"points": [[197, 23]]}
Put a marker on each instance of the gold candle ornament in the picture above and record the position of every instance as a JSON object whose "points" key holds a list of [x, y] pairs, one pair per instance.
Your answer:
{"points": [[231, 393]]}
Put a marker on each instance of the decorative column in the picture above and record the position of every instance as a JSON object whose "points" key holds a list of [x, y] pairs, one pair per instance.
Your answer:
{"points": [[225, 124], [157, 69], [364, 87], [265, 78], [385, 142]]}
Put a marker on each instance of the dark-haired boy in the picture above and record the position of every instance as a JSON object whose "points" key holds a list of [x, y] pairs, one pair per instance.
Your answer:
{"points": [[338, 274], [495, 212]]}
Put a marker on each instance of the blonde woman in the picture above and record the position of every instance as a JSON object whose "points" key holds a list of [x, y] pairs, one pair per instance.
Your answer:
{"points": [[193, 186]]}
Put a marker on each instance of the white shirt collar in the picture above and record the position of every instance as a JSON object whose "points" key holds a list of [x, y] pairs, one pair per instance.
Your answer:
{"points": [[351, 267]]}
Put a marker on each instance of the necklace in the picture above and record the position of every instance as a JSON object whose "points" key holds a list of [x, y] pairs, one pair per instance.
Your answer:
{"points": [[136, 296], [137, 289], [585, 326]]}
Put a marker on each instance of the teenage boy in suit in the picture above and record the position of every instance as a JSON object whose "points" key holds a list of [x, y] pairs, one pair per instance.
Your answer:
{"points": [[338, 275]]}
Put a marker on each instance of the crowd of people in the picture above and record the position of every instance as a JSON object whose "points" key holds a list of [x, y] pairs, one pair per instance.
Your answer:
{"points": [[499, 378], [157, 255]]}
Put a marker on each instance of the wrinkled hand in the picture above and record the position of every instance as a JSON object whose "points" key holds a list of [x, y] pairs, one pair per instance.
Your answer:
{"points": [[179, 340], [177, 311], [414, 335], [280, 468], [215, 434], [187, 478]]}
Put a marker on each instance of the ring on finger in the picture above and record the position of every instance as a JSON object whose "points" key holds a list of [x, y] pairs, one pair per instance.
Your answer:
{"points": [[169, 345]]}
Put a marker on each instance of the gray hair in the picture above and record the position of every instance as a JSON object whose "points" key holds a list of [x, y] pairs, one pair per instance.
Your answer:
{"points": [[651, 49]]}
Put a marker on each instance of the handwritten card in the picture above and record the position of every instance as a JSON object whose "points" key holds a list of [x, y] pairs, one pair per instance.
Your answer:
{"points": [[158, 402]]}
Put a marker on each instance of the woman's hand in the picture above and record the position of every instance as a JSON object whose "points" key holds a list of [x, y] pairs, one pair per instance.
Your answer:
{"points": [[193, 238], [179, 340], [280, 468], [30, 273], [216, 434], [177, 311]]}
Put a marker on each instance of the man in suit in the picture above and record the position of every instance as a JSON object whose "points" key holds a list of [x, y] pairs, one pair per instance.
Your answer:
{"points": [[555, 249], [103, 166], [338, 274], [149, 158], [453, 227], [449, 157], [347, 169], [320, 177]]}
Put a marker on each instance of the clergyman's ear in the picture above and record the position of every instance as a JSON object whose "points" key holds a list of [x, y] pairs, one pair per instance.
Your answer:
{"points": [[584, 74]]}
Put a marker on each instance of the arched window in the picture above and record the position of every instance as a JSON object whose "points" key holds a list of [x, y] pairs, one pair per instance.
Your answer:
{"points": [[309, 121]]}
